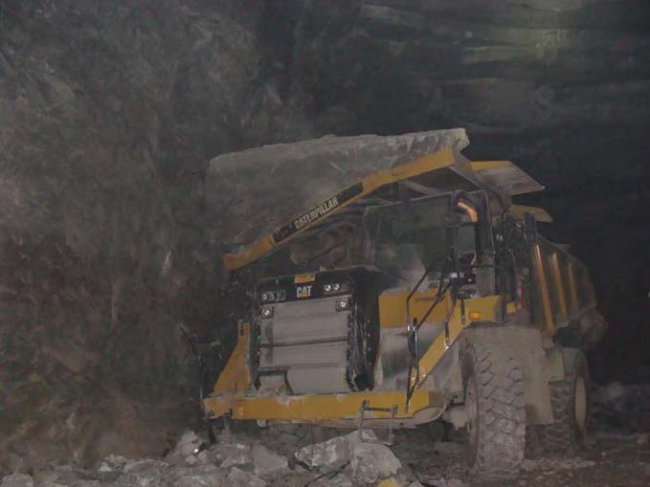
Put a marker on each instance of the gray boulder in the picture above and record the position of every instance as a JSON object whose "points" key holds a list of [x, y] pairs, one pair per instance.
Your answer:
{"points": [[17, 480], [251, 192], [199, 476], [240, 478], [267, 463], [372, 462], [231, 454], [331, 453]]}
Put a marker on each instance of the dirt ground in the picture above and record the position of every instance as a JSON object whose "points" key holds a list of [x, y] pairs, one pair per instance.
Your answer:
{"points": [[608, 460], [616, 454]]}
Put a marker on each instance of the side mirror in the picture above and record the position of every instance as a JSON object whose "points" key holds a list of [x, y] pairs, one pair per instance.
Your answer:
{"points": [[530, 229]]}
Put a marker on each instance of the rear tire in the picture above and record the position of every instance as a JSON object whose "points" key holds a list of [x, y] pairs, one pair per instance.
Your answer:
{"points": [[570, 405], [494, 401]]}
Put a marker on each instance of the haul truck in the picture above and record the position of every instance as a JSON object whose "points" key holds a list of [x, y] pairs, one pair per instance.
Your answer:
{"points": [[421, 293]]}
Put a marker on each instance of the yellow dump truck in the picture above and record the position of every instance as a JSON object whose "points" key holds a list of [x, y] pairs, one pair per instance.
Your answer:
{"points": [[420, 293]]}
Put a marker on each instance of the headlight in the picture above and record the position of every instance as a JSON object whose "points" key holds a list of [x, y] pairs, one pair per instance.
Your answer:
{"points": [[343, 304], [273, 296], [267, 312], [334, 287]]}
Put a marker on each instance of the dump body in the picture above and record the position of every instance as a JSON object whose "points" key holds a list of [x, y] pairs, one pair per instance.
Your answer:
{"points": [[370, 293], [565, 301]]}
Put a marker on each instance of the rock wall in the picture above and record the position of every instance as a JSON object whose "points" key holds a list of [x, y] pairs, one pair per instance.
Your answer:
{"points": [[109, 113]]}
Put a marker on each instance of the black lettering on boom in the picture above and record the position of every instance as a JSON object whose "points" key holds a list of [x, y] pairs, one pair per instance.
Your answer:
{"points": [[306, 219]]}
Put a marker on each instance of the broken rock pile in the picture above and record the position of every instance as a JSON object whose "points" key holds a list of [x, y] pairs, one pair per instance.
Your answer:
{"points": [[240, 460]]}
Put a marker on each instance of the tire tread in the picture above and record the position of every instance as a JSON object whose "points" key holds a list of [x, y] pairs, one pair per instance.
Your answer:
{"points": [[501, 411], [560, 436]]}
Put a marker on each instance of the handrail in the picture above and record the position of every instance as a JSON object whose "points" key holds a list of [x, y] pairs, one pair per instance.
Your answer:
{"points": [[414, 290], [412, 329], [439, 294]]}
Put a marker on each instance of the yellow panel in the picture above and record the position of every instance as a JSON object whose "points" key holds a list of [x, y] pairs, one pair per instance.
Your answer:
{"points": [[249, 254], [432, 162], [559, 285], [318, 408], [392, 307], [488, 307], [302, 278], [391, 482], [479, 166], [573, 291], [539, 214], [234, 377], [542, 283], [512, 307], [505, 176], [392, 313]]}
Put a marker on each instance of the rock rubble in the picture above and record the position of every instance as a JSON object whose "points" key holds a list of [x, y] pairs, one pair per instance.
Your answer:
{"points": [[241, 460]]}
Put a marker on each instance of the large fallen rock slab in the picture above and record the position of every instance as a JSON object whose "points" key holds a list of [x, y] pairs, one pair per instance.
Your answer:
{"points": [[249, 193]]}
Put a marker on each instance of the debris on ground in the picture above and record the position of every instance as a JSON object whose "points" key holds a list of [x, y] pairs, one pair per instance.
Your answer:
{"points": [[239, 477], [556, 463], [267, 463], [232, 454], [300, 456], [17, 480], [372, 462], [331, 453]]}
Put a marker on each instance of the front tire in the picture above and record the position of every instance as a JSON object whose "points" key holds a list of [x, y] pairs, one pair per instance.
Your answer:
{"points": [[570, 404], [495, 406]]}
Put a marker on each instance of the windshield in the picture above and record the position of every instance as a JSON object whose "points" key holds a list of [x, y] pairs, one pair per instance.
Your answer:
{"points": [[401, 239], [408, 238], [334, 247]]}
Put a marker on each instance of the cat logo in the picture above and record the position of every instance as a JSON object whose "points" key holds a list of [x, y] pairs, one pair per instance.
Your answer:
{"points": [[303, 291]]}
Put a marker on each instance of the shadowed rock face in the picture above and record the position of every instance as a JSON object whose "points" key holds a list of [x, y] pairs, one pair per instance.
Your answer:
{"points": [[110, 111]]}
